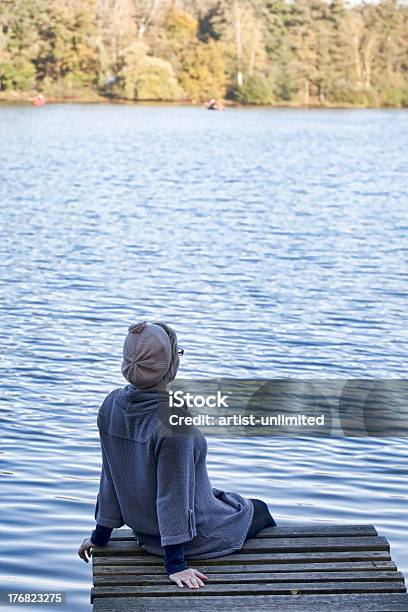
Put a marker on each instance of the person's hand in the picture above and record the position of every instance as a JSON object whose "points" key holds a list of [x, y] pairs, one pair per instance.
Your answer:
{"points": [[191, 577], [84, 551]]}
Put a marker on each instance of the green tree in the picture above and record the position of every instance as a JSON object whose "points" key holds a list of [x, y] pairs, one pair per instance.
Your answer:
{"points": [[143, 77], [257, 51], [19, 43]]}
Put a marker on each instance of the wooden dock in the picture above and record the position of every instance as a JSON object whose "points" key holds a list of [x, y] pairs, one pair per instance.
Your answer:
{"points": [[304, 567]]}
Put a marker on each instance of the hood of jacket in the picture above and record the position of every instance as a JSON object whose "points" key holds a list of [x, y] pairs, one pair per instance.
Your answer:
{"points": [[132, 414]]}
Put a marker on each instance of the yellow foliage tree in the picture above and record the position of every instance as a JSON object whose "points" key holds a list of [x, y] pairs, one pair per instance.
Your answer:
{"points": [[147, 78], [200, 66]]}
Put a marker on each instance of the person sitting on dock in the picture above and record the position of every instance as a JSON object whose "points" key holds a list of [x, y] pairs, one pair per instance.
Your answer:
{"points": [[156, 481]]}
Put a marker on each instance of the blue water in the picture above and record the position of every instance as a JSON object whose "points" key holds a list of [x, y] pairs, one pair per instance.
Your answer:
{"points": [[274, 241]]}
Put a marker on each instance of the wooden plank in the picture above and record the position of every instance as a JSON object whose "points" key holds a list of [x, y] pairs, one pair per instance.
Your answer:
{"points": [[353, 566], [320, 544], [258, 577], [316, 544], [268, 544], [287, 588], [327, 557], [386, 602], [304, 567], [289, 531]]}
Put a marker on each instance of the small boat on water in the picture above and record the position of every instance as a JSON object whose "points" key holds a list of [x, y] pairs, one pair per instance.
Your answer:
{"points": [[214, 104], [38, 100]]}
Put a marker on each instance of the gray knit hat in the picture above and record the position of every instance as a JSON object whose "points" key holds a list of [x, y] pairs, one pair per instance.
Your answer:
{"points": [[146, 355]]}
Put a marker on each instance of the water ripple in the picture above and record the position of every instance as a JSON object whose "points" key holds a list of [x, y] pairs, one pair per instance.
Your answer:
{"points": [[274, 241]]}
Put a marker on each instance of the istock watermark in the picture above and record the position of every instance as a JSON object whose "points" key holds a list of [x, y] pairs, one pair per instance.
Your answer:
{"points": [[177, 399], [289, 407]]}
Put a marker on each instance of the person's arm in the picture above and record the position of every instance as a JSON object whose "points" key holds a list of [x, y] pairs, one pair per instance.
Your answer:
{"points": [[175, 507], [100, 535], [107, 511], [175, 489]]}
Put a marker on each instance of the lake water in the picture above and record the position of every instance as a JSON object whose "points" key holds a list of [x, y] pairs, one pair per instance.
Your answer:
{"points": [[274, 241]]}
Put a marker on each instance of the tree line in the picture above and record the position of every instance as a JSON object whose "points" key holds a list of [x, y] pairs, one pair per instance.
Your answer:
{"points": [[253, 51]]}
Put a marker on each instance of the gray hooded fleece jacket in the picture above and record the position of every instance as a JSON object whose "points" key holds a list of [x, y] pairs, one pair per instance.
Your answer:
{"points": [[154, 479]]}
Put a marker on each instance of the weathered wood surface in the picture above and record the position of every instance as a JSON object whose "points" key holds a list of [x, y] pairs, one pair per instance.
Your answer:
{"points": [[233, 588], [304, 567], [345, 566], [297, 531], [256, 577], [329, 557], [280, 545], [386, 602]]}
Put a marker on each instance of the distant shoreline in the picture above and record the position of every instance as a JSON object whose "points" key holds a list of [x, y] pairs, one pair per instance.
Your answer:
{"points": [[24, 99]]}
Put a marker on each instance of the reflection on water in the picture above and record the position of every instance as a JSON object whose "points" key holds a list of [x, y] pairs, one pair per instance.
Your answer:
{"points": [[273, 240]]}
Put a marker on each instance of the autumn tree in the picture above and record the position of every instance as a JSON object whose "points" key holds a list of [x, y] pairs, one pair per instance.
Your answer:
{"points": [[307, 52]]}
